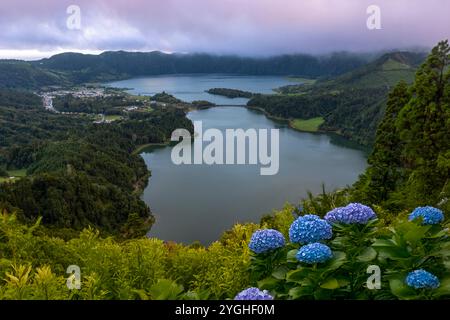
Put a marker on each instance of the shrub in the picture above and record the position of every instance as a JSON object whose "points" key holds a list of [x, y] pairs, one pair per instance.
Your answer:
{"points": [[413, 256]]}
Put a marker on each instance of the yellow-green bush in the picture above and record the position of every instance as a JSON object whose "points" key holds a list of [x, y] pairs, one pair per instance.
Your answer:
{"points": [[33, 265]]}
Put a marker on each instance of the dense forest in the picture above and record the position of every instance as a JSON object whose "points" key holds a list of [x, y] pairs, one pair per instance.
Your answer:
{"points": [[230, 93], [16, 74], [128, 64], [113, 104], [79, 173]]}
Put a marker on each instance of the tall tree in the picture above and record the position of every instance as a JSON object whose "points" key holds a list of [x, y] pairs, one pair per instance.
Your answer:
{"points": [[410, 162], [423, 126], [384, 170]]}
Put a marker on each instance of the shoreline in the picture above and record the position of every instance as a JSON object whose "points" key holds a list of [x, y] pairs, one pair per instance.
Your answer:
{"points": [[139, 148]]}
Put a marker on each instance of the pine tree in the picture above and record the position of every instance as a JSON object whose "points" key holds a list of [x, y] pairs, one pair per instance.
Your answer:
{"points": [[384, 169], [423, 126]]}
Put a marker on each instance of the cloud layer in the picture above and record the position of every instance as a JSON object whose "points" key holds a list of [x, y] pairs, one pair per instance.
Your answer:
{"points": [[246, 27]]}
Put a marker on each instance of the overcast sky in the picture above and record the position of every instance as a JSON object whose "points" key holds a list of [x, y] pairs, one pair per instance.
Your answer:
{"points": [[34, 29]]}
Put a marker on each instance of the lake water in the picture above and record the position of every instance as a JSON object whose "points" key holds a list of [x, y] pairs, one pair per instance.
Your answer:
{"points": [[192, 87], [200, 202]]}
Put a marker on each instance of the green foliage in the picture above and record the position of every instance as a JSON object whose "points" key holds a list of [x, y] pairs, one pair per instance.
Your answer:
{"points": [[166, 98], [384, 171], [353, 112], [230, 93], [280, 220], [16, 74], [202, 104], [120, 65], [80, 174], [410, 246], [133, 269], [352, 104], [311, 125], [409, 165], [109, 105], [397, 248], [325, 201], [3, 172]]}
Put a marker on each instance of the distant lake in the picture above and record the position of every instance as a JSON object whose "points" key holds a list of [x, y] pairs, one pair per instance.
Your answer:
{"points": [[200, 202], [192, 87]]}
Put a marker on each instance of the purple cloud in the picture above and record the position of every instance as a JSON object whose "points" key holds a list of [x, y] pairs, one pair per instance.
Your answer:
{"points": [[247, 27]]}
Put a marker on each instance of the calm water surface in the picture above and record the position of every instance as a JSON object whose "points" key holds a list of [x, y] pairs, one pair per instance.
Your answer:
{"points": [[192, 87], [199, 202]]}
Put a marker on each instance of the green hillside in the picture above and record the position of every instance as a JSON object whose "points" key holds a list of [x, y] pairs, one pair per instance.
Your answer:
{"points": [[20, 74], [352, 104]]}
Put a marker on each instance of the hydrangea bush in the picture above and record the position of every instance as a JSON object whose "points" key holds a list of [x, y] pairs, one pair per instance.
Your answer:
{"points": [[329, 258]]}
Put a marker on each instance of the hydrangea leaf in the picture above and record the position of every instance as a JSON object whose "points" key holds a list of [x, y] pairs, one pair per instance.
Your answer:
{"points": [[400, 289], [291, 255], [268, 283], [280, 273], [338, 260], [330, 284], [297, 275], [299, 292], [367, 255], [444, 288], [416, 232]]}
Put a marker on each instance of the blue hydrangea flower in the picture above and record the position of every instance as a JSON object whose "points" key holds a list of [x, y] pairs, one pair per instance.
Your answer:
{"points": [[309, 228], [421, 279], [430, 215], [265, 240], [314, 253], [253, 294], [354, 213]]}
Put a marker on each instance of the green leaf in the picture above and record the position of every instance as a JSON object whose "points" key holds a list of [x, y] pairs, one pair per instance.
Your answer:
{"points": [[299, 292], [141, 293], [343, 282], [395, 253], [444, 288], [383, 243], [165, 289], [415, 233], [330, 284], [339, 258], [268, 283], [280, 273], [367, 255], [400, 289], [291, 255], [322, 294], [297, 275]]}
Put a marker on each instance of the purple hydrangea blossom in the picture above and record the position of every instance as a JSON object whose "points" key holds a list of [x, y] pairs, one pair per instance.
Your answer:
{"points": [[253, 294], [309, 228], [266, 240], [354, 213]]}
